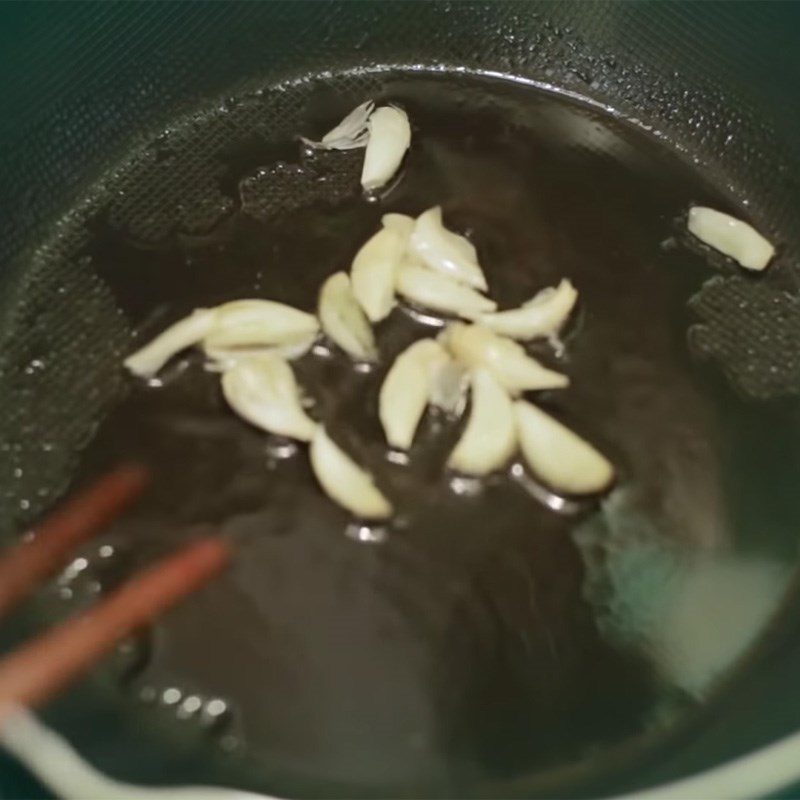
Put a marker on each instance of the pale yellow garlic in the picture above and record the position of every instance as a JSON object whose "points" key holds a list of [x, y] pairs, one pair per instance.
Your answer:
{"points": [[225, 357], [490, 437], [477, 346], [731, 236], [436, 291], [542, 315], [263, 390], [407, 390], [559, 457], [343, 320], [252, 327], [389, 138], [344, 481], [243, 323], [187, 332], [352, 132], [444, 251], [374, 272], [238, 324], [449, 384], [401, 223]]}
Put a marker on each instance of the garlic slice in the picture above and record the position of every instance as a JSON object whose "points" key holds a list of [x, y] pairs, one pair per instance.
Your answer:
{"points": [[238, 324], [490, 437], [188, 331], [263, 391], [401, 223], [440, 293], [731, 236], [477, 346], [344, 481], [542, 315], [343, 320], [350, 133], [374, 272], [242, 323], [444, 251], [558, 456], [389, 138], [228, 356], [407, 390], [449, 384]]}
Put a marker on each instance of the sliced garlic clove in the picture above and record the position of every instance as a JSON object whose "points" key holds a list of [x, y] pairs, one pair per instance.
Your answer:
{"points": [[731, 236], [187, 332], [262, 390], [389, 138], [344, 481], [245, 323], [352, 132], [241, 323], [401, 223], [542, 315], [352, 125], [406, 390], [374, 273], [440, 293], [251, 336], [225, 357], [343, 320], [250, 327], [444, 251], [490, 437], [477, 346], [449, 384], [559, 457]]}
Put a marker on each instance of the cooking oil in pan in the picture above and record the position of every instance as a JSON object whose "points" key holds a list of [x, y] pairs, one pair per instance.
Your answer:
{"points": [[491, 631]]}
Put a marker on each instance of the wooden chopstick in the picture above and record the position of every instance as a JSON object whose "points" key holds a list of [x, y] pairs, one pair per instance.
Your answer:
{"points": [[26, 564], [35, 672]]}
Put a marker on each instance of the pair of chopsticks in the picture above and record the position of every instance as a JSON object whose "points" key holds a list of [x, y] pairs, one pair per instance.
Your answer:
{"points": [[39, 669]]}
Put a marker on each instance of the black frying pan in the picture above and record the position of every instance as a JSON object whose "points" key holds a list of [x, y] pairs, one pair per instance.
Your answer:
{"points": [[491, 646]]}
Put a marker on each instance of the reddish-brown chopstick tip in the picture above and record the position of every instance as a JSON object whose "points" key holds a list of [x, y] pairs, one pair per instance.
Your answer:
{"points": [[179, 573], [80, 517], [38, 670]]}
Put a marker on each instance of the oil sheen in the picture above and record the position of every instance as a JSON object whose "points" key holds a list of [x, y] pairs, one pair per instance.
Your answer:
{"points": [[488, 632]]}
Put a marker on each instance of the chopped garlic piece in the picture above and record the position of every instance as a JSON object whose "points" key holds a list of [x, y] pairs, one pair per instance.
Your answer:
{"points": [[241, 323], [731, 236], [184, 333], [263, 391], [402, 223], [343, 320], [542, 315], [490, 438], [259, 323], [352, 132], [440, 293], [344, 481], [449, 384], [374, 272], [558, 456], [389, 138], [407, 390], [227, 357], [444, 251], [477, 346]]}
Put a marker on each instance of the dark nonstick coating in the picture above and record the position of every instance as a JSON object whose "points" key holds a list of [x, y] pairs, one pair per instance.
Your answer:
{"points": [[463, 650], [470, 646]]}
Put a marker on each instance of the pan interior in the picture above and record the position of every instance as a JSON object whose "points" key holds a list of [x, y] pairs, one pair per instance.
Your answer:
{"points": [[487, 636]]}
